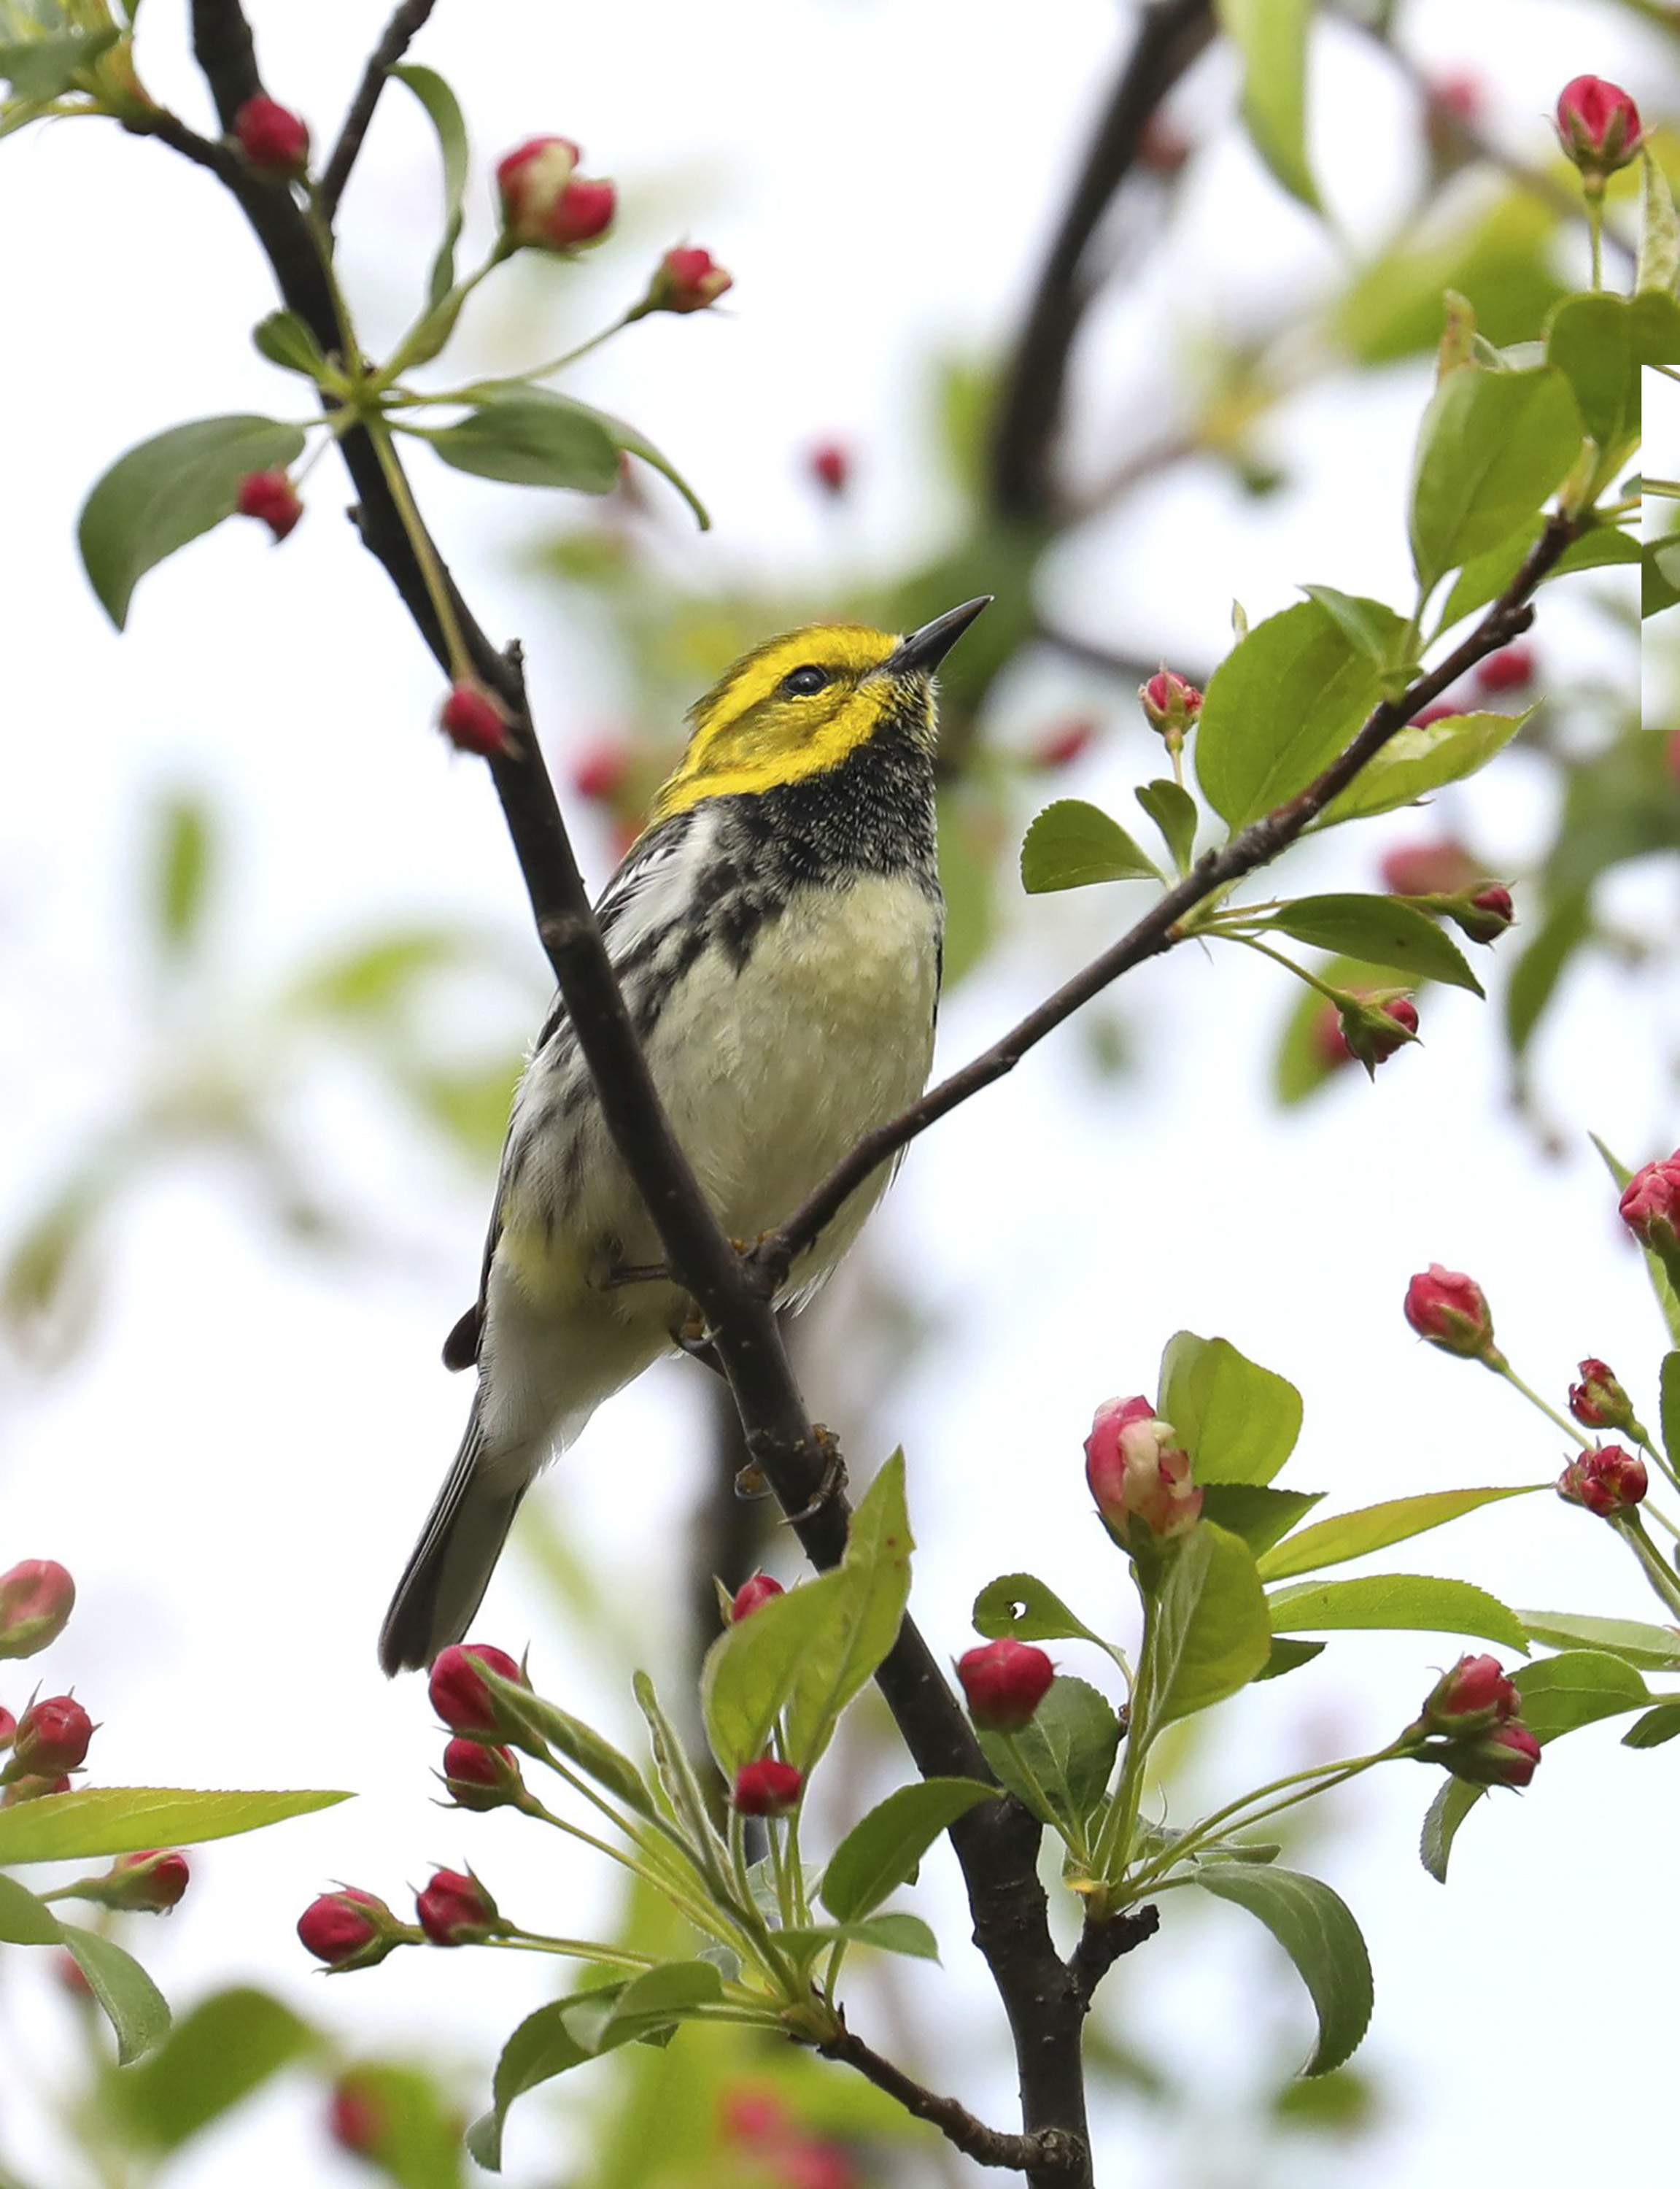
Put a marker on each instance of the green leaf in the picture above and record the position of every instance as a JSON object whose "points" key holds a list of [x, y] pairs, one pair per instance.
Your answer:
{"points": [[181, 863], [1421, 758], [1022, 1605], [750, 1670], [42, 68], [132, 2004], [1659, 266], [638, 444], [1379, 929], [1271, 37], [1492, 447], [1173, 810], [1289, 1655], [1261, 1517], [1396, 1600], [532, 440], [703, 1848], [1374, 1527], [1208, 1632], [168, 491], [1372, 625], [1668, 1386], [1071, 844], [1540, 966], [1238, 1420], [874, 1579], [657, 1997], [229, 2046], [443, 111], [1316, 1930], [1485, 576], [374, 979], [894, 1933], [1282, 704], [285, 340], [539, 2049], [24, 1920], [1652, 1649], [884, 1849], [1656, 1727], [1068, 1750], [595, 1756], [1600, 342], [1454, 1800], [94, 1820]]}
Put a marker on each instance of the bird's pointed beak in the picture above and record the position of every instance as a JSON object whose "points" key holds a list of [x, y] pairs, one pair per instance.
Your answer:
{"points": [[923, 650]]}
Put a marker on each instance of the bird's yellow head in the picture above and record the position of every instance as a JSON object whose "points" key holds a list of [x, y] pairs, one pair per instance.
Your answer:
{"points": [[800, 705]]}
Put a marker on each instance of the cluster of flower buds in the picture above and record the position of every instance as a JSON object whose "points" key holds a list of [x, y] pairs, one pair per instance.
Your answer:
{"points": [[1365, 1029], [1606, 1480], [767, 1788], [1004, 1682], [50, 1740], [1597, 1401], [478, 1772], [1650, 1206], [272, 499], [274, 140], [1598, 126], [1170, 706], [1470, 1721], [473, 721], [546, 204], [1451, 1311], [1139, 1477]]}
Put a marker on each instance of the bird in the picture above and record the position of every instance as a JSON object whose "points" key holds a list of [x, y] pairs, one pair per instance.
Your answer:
{"points": [[777, 931]]}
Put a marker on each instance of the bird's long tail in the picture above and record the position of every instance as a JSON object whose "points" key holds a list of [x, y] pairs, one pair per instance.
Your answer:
{"points": [[450, 1568]]}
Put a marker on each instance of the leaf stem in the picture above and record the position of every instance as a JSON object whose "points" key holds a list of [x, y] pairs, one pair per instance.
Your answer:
{"points": [[1657, 1571], [1501, 1366]]}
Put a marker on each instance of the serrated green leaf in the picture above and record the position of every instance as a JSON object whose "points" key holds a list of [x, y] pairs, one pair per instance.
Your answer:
{"points": [[24, 1920], [1492, 447], [533, 439], [1421, 758], [1600, 341], [1657, 1726], [1271, 37], [1651, 1648], [1316, 1929], [1072, 844], [1261, 1516], [442, 110], [1485, 576], [1059, 1763], [285, 339], [749, 1671], [1208, 1635], [1396, 1600], [884, 1849], [894, 1932], [1658, 262], [668, 1993], [1372, 625], [1454, 1800], [228, 2046], [1238, 1420], [874, 1589], [44, 67], [1380, 930], [1374, 1527], [1022, 1605], [1279, 708], [1287, 1654], [135, 2008], [548, 1726], [94, 1820], [1173, 813], [539, 2049], [168, 491]]}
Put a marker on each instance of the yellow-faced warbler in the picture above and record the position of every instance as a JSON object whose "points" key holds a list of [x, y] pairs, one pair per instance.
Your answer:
{"points": [[776, 930]]}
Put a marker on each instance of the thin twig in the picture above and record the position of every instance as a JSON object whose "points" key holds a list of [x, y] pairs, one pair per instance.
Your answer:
{"points": [[1158, 929], [1048, 2155], [400, 32]]}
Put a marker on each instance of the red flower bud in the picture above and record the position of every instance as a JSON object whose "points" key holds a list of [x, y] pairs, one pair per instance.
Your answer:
{"points": [[1605, 1481], [759, 1590], [1597, 1401], [601, 773], [147, 1883], [1440, 869], [272, 499], [274, 139], [52, 1737], [803, 2165], [1650, 1205], [1507, 670], [1372, 1029], [1485, 914], [35, 1601], [1005, 1681], [1170, 704], [9, 1726], [351, 1929], [751, 2112], [1062, 748], [687, 280], [480, 1777], [545, 202], [1140, 1479], [358, 2116], [455, 1910], [30, 1789], [1451, 1311], [459, 1695], [1472, 1696], [1505, 1756], [1598, 125], [473, 722], [767, 1788], [830, 467]]}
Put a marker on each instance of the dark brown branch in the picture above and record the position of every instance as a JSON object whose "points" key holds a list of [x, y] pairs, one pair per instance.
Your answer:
{"points": [[1169, 37], [1050, 2155], [1158, 929], [1101, 1944], [399, 33]]}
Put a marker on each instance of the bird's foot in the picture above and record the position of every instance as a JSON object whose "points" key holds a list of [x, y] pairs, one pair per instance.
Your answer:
{"points": [[692, 1335], [832, 1481]]}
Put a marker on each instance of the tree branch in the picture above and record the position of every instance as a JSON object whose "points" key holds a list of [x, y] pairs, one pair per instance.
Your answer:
{"points": [[1101, 1944], [399, 33], [1158, 929], [1050, 2154]]}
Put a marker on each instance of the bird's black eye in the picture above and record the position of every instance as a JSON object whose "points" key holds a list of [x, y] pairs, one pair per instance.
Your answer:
{"points": [[803, 682]]}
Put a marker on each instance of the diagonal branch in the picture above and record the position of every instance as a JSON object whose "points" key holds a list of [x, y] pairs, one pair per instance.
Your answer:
{"points": [[1049, 2151], [400, 32]]}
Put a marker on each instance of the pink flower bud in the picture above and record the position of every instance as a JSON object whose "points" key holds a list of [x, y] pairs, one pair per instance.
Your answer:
{"points": [[147, 1883], [1140, 1479], [473, 722], [351, 1929], [1504, 1755], [1004, 1682], [1598, 125], [460, 1696], [52, 1737], [601, 773], [1373, 1029], [1170, 704], [455, 1910], [767, 1788], [480, 1777], [687, 280], [1451, 1311], [759, 1590], [1597, 1401], [1650, 1205], [272, 499], [1606, 1481], [1507, 670], [1439, 869], [1484, 915], [806, 2165], [830, 467], [751, 2113], [1459, 94], [274, 139], [545, 202], [1162, 150], [1472, 1696], [358, 2117], [30, 1789], [1062, 748], [9, 1726], [35, 1601]]}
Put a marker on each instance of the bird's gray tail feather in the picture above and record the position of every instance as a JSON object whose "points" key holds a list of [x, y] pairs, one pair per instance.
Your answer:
{"points": [[445, 1579]]}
